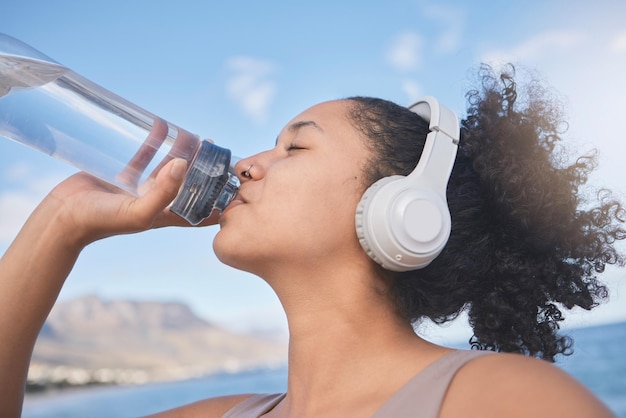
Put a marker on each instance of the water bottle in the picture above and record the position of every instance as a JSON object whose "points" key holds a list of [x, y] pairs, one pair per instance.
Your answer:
{"points": [[54, 110]]}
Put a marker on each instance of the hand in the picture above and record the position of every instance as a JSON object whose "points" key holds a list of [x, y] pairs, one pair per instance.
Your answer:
{"points": [[89, 209]]}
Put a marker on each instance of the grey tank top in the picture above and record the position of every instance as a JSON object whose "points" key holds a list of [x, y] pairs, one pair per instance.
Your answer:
{"points": [[420, 397]]}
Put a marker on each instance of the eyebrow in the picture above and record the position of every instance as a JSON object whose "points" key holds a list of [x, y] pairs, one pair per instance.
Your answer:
{"points": [[296, 126]]}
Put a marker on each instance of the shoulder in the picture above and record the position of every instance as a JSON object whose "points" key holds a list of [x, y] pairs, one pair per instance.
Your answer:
{"points": [[514, 385], [207, 408]]}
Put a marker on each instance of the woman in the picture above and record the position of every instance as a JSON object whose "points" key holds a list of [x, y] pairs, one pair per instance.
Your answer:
{"points": [[520, 243]]}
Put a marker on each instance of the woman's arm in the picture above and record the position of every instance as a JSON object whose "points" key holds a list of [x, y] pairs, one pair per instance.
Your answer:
{"points": [[76, 213]]}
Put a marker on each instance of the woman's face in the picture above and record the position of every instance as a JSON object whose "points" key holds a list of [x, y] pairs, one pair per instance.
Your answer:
{"points": [[298, 206]]}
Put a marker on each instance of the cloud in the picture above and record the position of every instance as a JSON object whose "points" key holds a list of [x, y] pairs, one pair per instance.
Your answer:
{"points": [[412, 89], [17, 172], [15, 208], [17, 203], [618, 43], [536, 47], [250, 85], [405, 53], [450, 19]]}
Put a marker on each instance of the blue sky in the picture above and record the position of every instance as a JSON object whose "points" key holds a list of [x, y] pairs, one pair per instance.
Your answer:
{"points": [[238, 71]]}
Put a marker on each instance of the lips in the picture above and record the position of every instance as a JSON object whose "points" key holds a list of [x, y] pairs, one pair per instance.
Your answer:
{"points": [[239, 200]]}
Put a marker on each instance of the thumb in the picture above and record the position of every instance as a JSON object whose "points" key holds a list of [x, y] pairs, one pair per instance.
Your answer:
{"points": [[164, 188]]}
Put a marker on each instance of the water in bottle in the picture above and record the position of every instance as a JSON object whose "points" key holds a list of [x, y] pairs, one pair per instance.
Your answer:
{"points": [[52, 109]]}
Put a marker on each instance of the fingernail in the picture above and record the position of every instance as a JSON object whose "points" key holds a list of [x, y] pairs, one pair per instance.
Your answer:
{"points": [[179, 168]]}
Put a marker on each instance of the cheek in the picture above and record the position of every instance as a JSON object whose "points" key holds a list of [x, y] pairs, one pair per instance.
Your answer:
{"points": [[312, 216], [324, 214]]}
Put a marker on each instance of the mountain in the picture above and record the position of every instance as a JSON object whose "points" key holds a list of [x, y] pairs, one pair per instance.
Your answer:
{"points": [[90, 340]]}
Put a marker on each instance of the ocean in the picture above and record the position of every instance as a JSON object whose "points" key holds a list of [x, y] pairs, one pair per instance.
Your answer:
{"points": [[599, 362]]}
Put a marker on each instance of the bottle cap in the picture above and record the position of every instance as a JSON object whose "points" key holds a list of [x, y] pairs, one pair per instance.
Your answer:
{"points": [[209, 184]]}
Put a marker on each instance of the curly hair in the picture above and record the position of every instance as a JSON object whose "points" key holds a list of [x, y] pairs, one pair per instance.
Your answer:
{"points": [[526, 239]]}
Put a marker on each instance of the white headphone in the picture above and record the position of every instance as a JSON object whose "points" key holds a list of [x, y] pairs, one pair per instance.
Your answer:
{"points": [[403, 223]]}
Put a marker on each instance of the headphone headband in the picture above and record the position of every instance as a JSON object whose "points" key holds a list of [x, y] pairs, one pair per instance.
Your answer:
{"points": [[437, 159], [439, 117]]}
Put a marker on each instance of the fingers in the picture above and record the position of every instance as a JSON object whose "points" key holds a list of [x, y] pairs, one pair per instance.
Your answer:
{"points": [[162, 191], [138, 163], [184, 146], [152, 207]]}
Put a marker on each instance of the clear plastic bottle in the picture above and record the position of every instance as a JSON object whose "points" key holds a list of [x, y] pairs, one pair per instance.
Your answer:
{"points": [[52, 109]]}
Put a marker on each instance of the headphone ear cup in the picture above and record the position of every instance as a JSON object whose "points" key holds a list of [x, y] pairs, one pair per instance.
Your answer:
{"points": [[400, 226], [363, 216]]}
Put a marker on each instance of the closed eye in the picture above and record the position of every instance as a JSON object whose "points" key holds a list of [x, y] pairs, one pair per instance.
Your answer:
{"points": [[293, 147]]}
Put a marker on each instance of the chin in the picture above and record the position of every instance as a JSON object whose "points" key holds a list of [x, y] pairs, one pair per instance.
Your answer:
{"points": [[230, 251], [221, 247]]}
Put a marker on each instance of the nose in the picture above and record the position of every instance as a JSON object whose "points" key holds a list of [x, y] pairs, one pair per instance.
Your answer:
{"points": [[243, 168], [255, 166]]}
